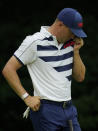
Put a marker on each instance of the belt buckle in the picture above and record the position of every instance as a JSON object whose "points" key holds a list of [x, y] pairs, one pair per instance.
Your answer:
{"points": [[64, 104]]}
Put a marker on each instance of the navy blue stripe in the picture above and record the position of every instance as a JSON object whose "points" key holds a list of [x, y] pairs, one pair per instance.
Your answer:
{"points": [[64, 68], [57, 58], [46, 48], [48, 38], [19, 60], [69, 77]]}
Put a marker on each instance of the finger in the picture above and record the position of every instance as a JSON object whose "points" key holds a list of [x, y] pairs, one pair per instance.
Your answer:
{"points": [[33, 109], [78, 43], [38, 97], [36, 107], [78, 39]]}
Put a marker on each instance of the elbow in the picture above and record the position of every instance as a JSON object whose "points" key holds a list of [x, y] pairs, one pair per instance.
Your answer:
{"points": [[81, 76], [7, 70], [81, 79], [4, 71]]}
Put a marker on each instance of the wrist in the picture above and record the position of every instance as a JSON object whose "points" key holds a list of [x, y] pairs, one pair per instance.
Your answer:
{"points": [[24, 96], [76, 52], [27, 100]]}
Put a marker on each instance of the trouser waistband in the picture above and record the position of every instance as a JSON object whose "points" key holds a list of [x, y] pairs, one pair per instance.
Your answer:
{"points": [[63, 104]]}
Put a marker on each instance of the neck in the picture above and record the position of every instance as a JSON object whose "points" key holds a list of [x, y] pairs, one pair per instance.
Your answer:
{"points": [[51, 29]]}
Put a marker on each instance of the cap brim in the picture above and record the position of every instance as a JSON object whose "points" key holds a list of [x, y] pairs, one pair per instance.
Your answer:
{"points": [[78, 32]]}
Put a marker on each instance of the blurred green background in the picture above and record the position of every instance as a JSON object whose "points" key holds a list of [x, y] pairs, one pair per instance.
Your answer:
{"points": [[21, 18]]}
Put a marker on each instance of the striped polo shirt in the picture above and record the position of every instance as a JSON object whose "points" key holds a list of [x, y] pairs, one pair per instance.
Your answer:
{"points": [[49, 65]]}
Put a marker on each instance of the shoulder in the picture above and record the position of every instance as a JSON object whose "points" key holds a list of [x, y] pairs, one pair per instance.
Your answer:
{"points": [[33, 38]]}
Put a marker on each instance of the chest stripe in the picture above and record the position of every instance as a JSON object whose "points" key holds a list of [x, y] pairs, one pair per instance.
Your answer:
{"points": [[46, 48], [69, 77], [57, 58], [64, 68]]}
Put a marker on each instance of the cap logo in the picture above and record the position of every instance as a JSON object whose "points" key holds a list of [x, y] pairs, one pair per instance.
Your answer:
{"points": [[80, 24]]}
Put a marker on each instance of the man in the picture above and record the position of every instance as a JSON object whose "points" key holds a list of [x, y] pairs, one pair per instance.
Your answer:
{"points": [[52, 58]]}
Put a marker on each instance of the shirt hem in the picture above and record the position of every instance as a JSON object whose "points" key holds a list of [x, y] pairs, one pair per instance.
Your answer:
{"points": [[18, 59]]}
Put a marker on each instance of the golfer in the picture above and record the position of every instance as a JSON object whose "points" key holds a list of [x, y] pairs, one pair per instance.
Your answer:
{"points": [[52, 59]]}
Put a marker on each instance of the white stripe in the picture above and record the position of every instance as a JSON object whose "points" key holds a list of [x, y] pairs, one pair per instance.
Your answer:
{"points": [[56, 52], [61, 63], [66, 73]]}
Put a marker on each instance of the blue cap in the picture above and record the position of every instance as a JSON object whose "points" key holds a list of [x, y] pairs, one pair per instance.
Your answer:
{"points": [[73, 19]]}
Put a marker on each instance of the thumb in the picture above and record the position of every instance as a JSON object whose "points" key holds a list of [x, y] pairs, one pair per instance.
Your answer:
{"points": [[38, 97]]}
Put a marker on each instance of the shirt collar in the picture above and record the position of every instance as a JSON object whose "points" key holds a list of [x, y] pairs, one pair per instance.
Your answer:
{"points": [[44, 30]]}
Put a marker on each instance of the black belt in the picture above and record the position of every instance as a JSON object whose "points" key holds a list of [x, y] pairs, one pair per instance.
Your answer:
{"points": [[63, 104]]}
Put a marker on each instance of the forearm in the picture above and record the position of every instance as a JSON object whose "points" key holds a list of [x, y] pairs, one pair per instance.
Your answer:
{"points": [[78, 67], [12, 78]]}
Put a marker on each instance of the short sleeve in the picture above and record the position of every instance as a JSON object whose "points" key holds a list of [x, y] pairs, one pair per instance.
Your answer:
{"points": [[27, 52]]}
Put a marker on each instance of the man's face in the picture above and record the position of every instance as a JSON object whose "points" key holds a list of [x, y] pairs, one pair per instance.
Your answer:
{"points": [[65, 34]]}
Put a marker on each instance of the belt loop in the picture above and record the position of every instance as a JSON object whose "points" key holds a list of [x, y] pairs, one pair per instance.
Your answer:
{"points": [[64, 104]]}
